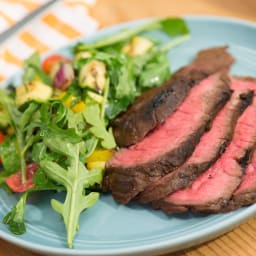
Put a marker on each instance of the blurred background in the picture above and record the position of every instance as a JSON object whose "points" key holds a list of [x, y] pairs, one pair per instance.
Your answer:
{"points": [[64, 21], [111, 11]]}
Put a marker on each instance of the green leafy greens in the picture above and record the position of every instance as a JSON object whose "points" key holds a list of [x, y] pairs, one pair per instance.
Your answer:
{"points": [[170, 26], [129, 76], [32, 70], [20, 122], [60, 134], [15, 218], [75, 178]]}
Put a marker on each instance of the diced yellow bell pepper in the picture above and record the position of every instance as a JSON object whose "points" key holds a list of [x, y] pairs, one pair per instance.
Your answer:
{"points": [[77, 108], [99, 158], [96, 164], [68, 101]]}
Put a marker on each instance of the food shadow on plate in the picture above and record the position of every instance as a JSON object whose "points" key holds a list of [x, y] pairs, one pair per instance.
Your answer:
{"points": [[137, 207]]}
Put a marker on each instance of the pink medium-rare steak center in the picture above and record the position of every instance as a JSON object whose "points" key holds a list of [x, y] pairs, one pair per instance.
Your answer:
{"points": [[212, 190], [212, 144], [175, 129], [131, 170]]}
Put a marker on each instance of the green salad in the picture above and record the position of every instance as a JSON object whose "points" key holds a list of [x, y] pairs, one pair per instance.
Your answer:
{"points": [[56, 125]]}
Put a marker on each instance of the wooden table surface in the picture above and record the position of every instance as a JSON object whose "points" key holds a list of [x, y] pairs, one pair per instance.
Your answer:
{"points": [[242, 240]]}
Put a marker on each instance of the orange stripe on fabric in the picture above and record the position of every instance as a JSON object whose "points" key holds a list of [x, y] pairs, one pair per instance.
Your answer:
{"points": [[61, 26], [2, 78], [30, 5], [33, 42], [9, 57], [8, 19]]}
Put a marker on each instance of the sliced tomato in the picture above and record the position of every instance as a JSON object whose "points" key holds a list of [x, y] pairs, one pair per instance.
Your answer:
{"points": [[1, 137], [1, 141], [14, 181], [50, 61]]}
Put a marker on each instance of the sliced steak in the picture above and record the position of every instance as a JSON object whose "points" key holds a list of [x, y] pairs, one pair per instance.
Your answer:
{"points": [[131, 170], [211, 191], [205, 153], [246, 192], [154, 105]]}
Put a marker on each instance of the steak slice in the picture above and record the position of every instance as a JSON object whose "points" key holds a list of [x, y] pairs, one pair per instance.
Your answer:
{"points": [[205, 153], [212, 190], [130, 170], [246, 192], [154, 105]]}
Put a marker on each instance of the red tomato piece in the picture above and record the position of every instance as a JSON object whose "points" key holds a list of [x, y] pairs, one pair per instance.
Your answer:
{"points": [[14, 181], [50, 61], [1, 141], [1, 137]]}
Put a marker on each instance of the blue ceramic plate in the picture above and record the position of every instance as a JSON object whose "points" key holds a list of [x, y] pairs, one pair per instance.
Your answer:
{"points": [[112, 229]]}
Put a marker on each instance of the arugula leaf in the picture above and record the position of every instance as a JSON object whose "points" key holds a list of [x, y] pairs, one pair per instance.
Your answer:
{"points": [[32, 70], [54, 130], [155, 72], [115, 107], [38, 152], [29, 64], [75, 178], [98, 129], [43, 182], [174, 26], [76, 121], [171, 26], [53, 122], [4, 118], [126, 82], [122, 88], [15, 218], [19, 122], [10, 155]]}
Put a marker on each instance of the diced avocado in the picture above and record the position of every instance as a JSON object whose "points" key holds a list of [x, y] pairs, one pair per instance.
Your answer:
{"points": [[93, 74], [82, 55], [36, 90], [96, 97], [138, 46]]}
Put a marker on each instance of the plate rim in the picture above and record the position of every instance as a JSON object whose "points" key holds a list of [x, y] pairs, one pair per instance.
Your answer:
{"points": [[162, 246]]}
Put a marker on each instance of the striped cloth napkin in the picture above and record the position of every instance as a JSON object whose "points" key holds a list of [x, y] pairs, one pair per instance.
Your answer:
{"points": [[65, 21]]}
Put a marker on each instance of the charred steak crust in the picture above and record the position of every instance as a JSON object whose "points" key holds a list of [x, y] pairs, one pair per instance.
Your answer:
{"points": [[154, 105], [212, 190], [220, 135], [246, 192], [127, 180]]}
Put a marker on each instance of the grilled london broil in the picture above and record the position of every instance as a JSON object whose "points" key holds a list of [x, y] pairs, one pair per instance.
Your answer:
{"points": [[155, 105], [212, 190], [192, 141], [212, 144], [168, 146]]}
